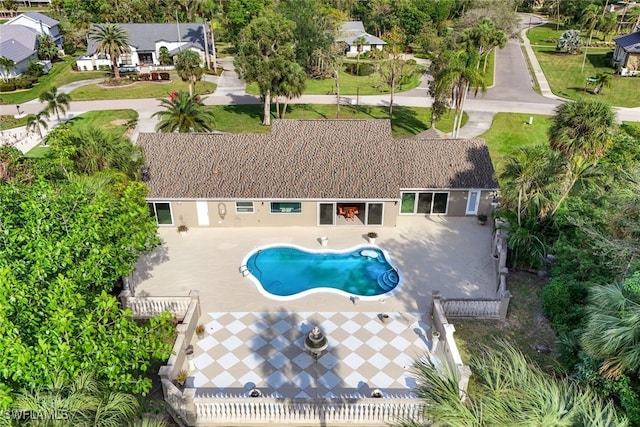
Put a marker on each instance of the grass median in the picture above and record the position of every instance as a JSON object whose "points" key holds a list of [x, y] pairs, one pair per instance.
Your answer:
{"points": [[138, 90]]}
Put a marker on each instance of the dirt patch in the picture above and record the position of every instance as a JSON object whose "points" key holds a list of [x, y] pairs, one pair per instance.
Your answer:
{"points": [[119, 122]]}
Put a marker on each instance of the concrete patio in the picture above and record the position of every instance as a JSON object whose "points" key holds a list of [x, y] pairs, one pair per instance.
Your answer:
{"points": [[449, 254], [252, 341]]}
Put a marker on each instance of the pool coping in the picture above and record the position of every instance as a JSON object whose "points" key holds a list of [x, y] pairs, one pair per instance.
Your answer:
{"points": [[354, 298]]}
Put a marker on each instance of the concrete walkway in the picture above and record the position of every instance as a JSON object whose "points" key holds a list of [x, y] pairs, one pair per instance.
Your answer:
{"points": [[229, 84]]}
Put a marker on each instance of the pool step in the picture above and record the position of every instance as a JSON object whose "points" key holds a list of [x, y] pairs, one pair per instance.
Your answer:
{"points": [[388, 280]]}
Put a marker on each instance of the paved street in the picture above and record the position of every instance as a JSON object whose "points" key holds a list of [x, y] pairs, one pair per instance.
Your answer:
{"points": [[511, 93]]}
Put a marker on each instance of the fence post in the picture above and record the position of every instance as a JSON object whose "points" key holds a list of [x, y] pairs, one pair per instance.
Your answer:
{"points": [[505, 297]]}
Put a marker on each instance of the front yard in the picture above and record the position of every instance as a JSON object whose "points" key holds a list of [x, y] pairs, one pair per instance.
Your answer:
{"points": [[138, 90]]}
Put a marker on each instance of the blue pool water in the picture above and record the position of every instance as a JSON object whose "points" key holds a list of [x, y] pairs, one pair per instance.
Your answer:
{"points": [[286, 271]]}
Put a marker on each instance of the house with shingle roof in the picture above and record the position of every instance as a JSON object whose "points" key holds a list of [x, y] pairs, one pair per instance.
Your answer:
{"points": [[313, 173], [19, 40], [41, 24], [352, 30], [626, 56], [145, 41]]}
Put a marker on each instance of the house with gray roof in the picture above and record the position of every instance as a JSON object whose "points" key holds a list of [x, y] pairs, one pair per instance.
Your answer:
{"points": [[626, 56], [313, 173], [145, 41], [41, 24], [352, 30]]}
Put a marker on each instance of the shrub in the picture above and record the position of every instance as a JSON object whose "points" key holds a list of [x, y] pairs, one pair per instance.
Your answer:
{"points": [[366, 69], [7, 87], [563, 302], [145, 76], [25, 82], [164, 76], [69, 48]]}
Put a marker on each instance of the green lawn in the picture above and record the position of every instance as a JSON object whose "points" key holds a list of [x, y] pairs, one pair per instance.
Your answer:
{"points": [[59, 75], [547, 35], [115, 122], [490, 71], [407, 121], [563, 72], [510, 131], [138, 90], [349, 85], [10, 122]]}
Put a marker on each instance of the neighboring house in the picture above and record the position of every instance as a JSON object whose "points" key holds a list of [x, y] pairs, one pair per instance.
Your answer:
{"points": [[41, 24], [145, 41], [350, 31], [19, 39], [626, 56], [313, 173], [19, 44]]}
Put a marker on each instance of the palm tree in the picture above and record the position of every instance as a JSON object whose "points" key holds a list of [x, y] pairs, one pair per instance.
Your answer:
{"points": [[57, 102], [590, 18], [188, 67], [602, 80], [82, 400], [508, 391], [94, 150], [359, 42], [112, 40], [613, 327], [458, 74], [163, 56], [582, 127], [183, 114], [485, 37], [529, 180], [38, 121], [7, 65], [291, 85]]}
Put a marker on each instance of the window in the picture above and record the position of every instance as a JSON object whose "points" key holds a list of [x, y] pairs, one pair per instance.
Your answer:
{"points": [[244, 207], [286, 207], [426, 203], [408, 202], [161, 211], [326, 213], [374, 213]]}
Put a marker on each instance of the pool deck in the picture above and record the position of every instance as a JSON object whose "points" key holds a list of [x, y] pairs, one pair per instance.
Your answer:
{"points": [[255, 341], [448, 254]]}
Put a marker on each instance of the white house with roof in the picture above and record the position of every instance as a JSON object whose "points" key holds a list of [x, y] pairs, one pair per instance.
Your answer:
{"points": [[626, 56], [351, 31], [19, 40], [145, 41], [41, 24]]}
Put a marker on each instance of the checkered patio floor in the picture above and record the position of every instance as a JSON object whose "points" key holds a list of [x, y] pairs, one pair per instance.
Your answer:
{"points": [[243, 350]]}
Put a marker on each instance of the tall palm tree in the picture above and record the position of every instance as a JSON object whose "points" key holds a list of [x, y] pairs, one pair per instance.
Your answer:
{"points": [[485, 37], [183, 114], [359, 42], [582, 127], [612, 333], [291, 85], [111, 40], [529, 180], [38, 121], [188, 67], [590, 18], [7, 65], [57, 102], [456, 78], [508, 391]]}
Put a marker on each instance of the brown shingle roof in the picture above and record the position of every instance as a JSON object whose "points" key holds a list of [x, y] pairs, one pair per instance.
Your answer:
{"points": [[320, 159]]}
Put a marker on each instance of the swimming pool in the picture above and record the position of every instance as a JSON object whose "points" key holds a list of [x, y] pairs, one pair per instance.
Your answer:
{"points": [[289, 272]]}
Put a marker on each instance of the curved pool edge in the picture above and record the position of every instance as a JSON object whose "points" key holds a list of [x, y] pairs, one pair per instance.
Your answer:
{"points": [[263, 292]]}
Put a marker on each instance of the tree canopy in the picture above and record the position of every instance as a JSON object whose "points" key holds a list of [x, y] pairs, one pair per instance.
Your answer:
{"points": [[265, 48]]}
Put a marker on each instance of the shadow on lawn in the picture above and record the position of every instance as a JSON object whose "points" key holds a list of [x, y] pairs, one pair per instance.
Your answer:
{"points": [[407, 120]]}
